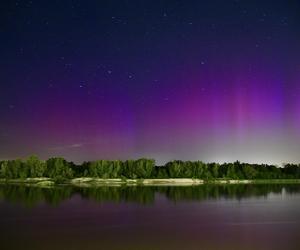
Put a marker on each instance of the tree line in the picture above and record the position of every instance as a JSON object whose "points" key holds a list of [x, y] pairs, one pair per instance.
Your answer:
{"points": [[59, 168]]}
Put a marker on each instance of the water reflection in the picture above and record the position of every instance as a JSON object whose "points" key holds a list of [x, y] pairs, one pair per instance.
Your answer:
{"points": [[31, 196]]}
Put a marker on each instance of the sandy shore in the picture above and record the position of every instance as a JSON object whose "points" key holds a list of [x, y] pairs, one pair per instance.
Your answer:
{"points": [[89, 181], [145, 182]]}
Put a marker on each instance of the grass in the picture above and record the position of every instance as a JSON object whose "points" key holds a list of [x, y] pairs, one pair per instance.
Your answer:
{"points": [[45, 183]]}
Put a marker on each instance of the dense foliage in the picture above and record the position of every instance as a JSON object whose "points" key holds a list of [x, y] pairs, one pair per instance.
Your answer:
{"points": [[60, 169]]}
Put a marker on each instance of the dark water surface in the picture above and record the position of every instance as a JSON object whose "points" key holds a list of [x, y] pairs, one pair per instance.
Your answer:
{"points": [[199, 217]]}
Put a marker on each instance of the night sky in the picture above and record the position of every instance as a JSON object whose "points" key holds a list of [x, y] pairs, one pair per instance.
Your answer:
{"points": [[190, 80]]}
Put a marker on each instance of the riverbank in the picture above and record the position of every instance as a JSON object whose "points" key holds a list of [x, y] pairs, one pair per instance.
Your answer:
{"points": [[88, 181]]}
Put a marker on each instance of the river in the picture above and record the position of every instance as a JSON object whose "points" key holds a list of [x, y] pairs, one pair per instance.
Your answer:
{"points": [[205, 217]]}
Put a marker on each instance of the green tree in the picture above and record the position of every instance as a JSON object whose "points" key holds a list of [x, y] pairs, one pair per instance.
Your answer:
{"points": [[58, 168], [249, 172], [36, 168]]}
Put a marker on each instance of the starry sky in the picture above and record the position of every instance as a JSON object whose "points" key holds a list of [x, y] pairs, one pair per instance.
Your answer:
{"points": [[192, 80]]}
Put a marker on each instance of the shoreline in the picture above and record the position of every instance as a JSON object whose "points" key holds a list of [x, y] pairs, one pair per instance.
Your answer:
{"points": [[94, 182]]}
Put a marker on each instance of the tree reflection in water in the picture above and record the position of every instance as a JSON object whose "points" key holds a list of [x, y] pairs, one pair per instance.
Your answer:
{"points": [[31, 196]]}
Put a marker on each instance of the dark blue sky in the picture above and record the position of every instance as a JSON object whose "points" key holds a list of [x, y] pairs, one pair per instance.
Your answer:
{"points": [[209, 80]]}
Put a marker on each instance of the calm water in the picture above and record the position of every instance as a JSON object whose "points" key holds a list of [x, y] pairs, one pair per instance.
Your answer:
{"points": [[204, 217]]}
